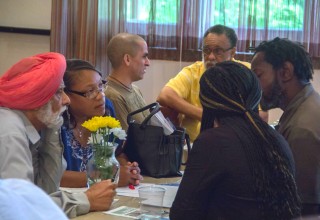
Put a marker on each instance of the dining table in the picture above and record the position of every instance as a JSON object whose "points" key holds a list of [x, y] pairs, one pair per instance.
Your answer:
{"points": [[129, 201]]}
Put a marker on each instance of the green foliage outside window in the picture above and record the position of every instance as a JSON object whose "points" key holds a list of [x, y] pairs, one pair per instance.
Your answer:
{"points": [[159, 11], [281, 14]]}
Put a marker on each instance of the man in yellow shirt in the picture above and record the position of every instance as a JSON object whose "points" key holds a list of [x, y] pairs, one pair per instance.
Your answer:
{"points": [[181, 93]]}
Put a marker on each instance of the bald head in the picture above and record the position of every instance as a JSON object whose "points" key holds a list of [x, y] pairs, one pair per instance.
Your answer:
{"points": [[121, 44]]}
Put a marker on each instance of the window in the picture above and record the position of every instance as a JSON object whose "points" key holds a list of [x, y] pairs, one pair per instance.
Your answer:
{"points": [[263, 13], [177, 25], [160, 12], [173, 29]]}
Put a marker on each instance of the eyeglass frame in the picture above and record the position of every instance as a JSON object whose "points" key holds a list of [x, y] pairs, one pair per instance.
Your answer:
{"points": [[213, 50], [85, 94]]}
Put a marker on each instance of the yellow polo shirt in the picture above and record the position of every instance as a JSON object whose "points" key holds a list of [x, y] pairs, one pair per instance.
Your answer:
{"points": [[186, 85]]}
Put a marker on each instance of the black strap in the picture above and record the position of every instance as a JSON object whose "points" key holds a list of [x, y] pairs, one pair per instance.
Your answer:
{"points": [[188, 146], [153, 107]]}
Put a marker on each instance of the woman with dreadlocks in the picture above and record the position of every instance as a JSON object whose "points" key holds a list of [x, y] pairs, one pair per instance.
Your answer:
{"points": [[239, 167]]}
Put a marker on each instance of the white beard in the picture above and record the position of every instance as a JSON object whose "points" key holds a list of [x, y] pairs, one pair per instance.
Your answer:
{"points": [[208, 64], [49, 118]]}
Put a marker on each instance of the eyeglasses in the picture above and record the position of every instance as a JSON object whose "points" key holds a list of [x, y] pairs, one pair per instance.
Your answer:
{"points": [[92, 93], [216, 51]]}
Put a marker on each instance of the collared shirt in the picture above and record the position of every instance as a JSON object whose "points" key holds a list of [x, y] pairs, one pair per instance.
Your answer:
{"points": [[299, 124], [16, 132], [186, 85], [24, 154]]}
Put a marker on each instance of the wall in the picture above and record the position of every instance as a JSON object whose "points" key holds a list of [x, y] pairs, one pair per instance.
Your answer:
{"points": [[25, 14], [14, 47], [157, 75], [36, 14]]}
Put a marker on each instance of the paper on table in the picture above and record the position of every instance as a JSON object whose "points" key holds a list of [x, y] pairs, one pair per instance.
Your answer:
{"points": [[128, 212], [125, 211], [169, 196]]}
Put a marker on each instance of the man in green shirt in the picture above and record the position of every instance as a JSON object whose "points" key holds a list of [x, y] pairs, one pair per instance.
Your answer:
{"points": [[128, 54]]}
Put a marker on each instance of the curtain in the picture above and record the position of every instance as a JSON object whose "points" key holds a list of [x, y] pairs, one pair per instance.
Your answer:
{"points": [[173, 29], [311, 36], [257, 20], [74, 29]]}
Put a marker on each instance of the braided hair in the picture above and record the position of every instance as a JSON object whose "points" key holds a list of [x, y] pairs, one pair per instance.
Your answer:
{"points": [[230, 92]]}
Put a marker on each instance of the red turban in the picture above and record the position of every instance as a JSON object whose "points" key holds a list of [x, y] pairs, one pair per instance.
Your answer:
{"points": [[32, 82]]}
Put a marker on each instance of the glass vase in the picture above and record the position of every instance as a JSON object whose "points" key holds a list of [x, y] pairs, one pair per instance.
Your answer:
{"points": [[103, 164]]}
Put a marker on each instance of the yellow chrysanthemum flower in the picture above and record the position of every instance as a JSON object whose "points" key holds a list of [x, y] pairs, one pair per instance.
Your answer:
{"points": [[97, 122], [104, 133]]}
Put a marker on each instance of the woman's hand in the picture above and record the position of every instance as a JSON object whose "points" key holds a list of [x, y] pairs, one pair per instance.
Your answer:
{"points": [[129, 174], [135, 176]]}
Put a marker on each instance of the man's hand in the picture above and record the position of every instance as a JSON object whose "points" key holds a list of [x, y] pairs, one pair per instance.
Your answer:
{"points": [[100, 195], [169, 98]]}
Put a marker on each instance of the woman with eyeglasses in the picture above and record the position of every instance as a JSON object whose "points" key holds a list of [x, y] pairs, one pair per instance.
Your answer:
{"points": [[85, 88]]}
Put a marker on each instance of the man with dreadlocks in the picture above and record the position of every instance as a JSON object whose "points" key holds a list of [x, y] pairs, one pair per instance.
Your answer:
{"points": [[239, 167], [284, 69]]}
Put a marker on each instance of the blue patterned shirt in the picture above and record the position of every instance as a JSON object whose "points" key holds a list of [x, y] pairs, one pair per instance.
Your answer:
{"points": [[76, 156]]}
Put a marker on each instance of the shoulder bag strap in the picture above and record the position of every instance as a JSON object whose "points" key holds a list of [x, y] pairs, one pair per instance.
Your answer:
{"points": [[154, 108], [188, 146]]}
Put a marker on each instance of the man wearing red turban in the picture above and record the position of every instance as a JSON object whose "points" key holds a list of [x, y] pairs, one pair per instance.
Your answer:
{"points": [[32, 100]]}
